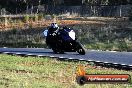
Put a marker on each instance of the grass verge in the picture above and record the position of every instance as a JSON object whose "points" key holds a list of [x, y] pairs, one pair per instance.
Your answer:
{"points": [[36, 72]]}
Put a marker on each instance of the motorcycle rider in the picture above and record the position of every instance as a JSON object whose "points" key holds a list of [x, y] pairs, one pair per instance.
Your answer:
{"points": [[52, 33], [53, 29], [62, 40]]}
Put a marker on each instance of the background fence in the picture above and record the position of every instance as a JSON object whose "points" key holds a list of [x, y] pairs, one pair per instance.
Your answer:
{"points": [[103, 11]]}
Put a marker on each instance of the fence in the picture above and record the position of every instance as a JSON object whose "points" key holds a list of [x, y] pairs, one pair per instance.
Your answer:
{"points": [[102, 11]]}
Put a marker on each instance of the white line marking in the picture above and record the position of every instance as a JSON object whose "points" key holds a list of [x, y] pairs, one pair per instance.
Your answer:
{"points": [[115, 63], [18, 53], [81, 59], [29, 54], [123, 64], [52, 56], [130, 65], [70, 58], [61, 57], [106, 62], [98, 61], [90, 60], [6, 52], [40, 55]]}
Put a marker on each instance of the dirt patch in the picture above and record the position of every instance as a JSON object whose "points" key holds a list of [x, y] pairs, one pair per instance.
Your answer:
{"points": [[67, 21]]}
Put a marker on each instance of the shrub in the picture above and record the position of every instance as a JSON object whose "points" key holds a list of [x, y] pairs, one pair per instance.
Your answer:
{"points": [[36, 17], [26, 18], [40, 16]]}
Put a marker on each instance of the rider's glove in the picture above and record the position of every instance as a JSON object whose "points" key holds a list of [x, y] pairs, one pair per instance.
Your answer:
{"points": [[53, 34]]}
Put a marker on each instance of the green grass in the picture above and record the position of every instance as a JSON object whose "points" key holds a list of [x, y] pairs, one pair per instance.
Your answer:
{"points": [[110, 46], [36, 72]]}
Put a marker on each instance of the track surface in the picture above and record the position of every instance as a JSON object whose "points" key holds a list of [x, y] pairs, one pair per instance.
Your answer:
{"points": [[122, 58]]}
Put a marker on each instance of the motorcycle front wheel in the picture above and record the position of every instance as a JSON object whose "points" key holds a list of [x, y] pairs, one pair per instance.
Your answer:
{"points": [[80, 49]]}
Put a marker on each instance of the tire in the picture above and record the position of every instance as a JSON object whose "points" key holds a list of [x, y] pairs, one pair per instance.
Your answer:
{"points": [[81, 52], [80, 49]]}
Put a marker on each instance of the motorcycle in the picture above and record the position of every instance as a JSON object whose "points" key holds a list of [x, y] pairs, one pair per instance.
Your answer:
{"points": [[64, 40]]}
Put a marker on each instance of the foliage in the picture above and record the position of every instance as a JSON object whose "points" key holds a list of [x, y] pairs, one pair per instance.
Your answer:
{"points": [[36, 17], [19, 6], [26, 18], [40, 16]]}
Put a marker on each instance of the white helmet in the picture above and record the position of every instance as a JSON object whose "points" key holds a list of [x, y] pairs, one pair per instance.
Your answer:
{"points": [[54, 25]]}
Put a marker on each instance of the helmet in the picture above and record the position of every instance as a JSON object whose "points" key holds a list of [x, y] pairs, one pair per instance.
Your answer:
{"points": [[54, 25]]}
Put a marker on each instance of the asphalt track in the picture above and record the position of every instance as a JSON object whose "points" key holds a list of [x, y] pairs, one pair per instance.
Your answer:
{"points": [[105, 57]]}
